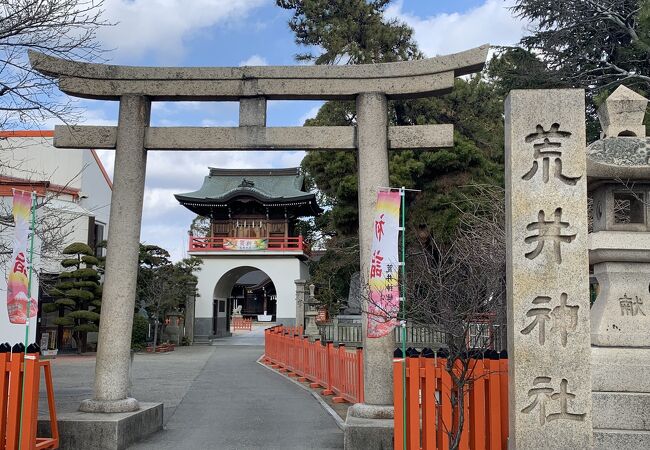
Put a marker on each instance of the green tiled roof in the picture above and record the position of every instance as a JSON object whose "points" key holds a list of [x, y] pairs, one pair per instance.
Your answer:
{"points": [[266, 185]]}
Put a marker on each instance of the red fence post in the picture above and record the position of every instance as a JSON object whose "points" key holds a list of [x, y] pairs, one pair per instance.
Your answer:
{"points": [[445, 422], [478, 411], [503, 377], [328, 370], [4, 393], [413, 402], [494, 404], [398, 403], [31, 378], [360, 395], [14, 410], [54, 425], [429, 407]]}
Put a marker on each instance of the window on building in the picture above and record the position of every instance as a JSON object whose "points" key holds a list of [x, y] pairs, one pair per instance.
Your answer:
{"points": [[99, 238]]}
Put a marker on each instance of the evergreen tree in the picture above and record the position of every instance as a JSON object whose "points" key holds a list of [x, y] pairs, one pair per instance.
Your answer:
{"points": [[78, 293], [593, 45], [356, 32], [163, 285]]}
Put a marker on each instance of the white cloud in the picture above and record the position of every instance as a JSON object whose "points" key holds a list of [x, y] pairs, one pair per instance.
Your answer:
{"points": [[161, 27], [255, 60], [308, 115], [492, 22]]}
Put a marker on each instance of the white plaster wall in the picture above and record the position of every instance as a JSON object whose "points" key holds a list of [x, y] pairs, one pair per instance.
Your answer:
{"points": [[96, 189], [36, 159], [283, 271]]}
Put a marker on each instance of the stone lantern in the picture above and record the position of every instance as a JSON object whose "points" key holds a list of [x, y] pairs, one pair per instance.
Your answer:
{"points": [[618, 170], [172, 328], [618, 167], [311, 313]]}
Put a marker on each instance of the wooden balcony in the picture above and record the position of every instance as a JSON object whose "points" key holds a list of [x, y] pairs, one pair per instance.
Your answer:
{"points": [[246, 245]]}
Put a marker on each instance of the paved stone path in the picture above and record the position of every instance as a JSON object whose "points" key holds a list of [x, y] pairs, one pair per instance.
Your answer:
{"points": [[235, 403]]}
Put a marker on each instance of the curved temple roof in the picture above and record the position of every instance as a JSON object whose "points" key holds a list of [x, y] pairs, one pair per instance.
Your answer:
{"points": [[269, 186], [398, 79]]}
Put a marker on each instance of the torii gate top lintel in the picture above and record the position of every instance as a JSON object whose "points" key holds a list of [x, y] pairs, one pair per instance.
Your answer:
{"points": [[404, 79]]}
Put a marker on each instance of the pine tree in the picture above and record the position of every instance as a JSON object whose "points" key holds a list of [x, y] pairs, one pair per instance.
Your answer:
{"points": [[78, 293], [356, 32]]}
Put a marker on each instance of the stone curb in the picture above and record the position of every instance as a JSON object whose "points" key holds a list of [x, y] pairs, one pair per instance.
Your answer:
{"points": [[339, 422]]}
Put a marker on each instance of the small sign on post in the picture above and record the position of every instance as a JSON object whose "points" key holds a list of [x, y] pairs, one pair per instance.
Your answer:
{"points": [[547, 270]]}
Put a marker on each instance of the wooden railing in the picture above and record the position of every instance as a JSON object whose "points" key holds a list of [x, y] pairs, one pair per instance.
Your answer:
{"points": [[337, 370], [242, 323], [418, 336], [19, 387], [350, 334], [431, 417], [216, 244]]}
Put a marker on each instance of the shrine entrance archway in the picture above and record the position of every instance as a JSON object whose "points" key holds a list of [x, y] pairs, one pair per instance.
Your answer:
{"points": [[248, 287], [218, 276]]}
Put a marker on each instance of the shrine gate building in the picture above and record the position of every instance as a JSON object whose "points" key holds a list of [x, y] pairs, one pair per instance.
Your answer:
{"points": [[252, 250]]}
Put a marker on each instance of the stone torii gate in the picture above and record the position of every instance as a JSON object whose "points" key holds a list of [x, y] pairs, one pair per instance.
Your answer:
{"points": [[135, 88]]}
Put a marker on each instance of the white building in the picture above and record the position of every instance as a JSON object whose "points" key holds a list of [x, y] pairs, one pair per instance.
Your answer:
{"points": [[78, 190], [253, 252]]}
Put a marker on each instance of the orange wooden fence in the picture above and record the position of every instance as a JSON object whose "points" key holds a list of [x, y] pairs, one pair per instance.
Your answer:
{"points": [[336, 370], [241, 323], [17, 369], [430, 414]]}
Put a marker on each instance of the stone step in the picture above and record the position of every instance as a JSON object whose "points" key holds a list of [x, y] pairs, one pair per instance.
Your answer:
{"points": [[621, 410], [201, 340], [607, 439]]}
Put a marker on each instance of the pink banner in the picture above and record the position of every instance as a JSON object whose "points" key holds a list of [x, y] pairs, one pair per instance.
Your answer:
{"points": [[17, 281], [383, 283]]}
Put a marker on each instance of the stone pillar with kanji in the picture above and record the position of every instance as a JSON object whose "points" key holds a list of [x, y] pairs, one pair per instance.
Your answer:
{"points": [[547, 271]]}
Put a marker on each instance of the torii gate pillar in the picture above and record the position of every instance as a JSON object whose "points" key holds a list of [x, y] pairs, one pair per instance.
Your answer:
{"points": [[114, 346], [372, 135]]}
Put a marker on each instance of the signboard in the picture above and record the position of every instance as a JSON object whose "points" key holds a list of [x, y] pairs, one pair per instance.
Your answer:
{"points": [[383, 304], [245, 244]]}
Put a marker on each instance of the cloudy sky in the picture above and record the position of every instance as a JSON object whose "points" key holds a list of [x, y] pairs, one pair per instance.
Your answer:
{"points": [[247, 32]]}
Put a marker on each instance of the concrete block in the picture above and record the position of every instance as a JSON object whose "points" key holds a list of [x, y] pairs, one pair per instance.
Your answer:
{"points": [[621, 440], [617, 369], [618, 317], [621, 410], [100, 431], [368, 434]]}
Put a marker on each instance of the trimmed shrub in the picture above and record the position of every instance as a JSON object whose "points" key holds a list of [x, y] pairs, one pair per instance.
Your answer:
{"points": [[78, 247], [139, 334]]}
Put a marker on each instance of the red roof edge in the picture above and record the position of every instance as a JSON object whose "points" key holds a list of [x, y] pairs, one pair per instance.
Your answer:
{"points": [[27, 133], [101, 167], [40, 186]]}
